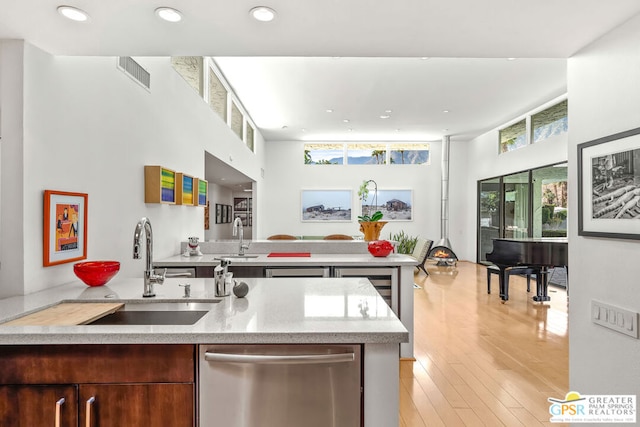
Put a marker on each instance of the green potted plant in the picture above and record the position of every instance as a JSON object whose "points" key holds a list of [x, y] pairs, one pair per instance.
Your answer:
{"points": [[405, 244], [370, 223]]}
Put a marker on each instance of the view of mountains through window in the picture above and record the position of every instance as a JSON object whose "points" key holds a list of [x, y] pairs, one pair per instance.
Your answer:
{"points": [[366, 153]]}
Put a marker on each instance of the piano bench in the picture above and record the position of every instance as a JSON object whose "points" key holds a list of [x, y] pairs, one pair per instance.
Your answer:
{"points": [[520, 271]]}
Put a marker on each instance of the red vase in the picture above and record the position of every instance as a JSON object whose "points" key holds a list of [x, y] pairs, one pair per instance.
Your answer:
{"points": [[380, 248]]}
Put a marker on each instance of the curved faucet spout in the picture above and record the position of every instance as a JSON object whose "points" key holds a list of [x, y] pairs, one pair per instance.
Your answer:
{"points": [[144, 225], [239, 231], [150, 278]]}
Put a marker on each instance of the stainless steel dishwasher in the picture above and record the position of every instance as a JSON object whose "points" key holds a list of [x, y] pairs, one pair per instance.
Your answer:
{"points": [[280, 386]]}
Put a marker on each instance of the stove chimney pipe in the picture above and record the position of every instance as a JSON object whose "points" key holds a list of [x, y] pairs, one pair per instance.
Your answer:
{"points": [[444, 212]]}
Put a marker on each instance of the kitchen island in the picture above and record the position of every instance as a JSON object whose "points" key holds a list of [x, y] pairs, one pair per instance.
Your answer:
{"points": [[318, 311], [392, 275]]}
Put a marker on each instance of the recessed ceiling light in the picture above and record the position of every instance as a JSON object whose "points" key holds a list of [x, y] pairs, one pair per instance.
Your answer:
{"points": [[445, 111], [385, 116], [263, 13], [345, 120], [329, 110], [73, 13], [169, 14]]}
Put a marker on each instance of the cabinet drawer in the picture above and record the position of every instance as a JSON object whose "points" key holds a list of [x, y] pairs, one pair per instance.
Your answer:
{"points": [[122, 363], [38, 405], [133, 405]]}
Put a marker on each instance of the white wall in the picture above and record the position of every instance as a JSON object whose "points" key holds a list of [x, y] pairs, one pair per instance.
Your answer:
{"points": [[11, 190], [286, 175], [604, 95], [89, 128]]}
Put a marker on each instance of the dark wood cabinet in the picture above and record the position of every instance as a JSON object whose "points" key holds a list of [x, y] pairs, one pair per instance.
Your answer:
{"points": [[38, 405], [102, 385], [147, 405]]}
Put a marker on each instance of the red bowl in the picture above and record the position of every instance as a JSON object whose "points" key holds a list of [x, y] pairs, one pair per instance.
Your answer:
{"points": [[380, 248], [96, 273]]}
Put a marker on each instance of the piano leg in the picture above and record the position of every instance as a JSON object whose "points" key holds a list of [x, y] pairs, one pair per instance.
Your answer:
{"points": [[542, 285], [504, 284]]}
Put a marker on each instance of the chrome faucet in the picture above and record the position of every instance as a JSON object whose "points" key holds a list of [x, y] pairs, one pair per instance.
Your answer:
{"points": [[150, 278], [238, 231]]}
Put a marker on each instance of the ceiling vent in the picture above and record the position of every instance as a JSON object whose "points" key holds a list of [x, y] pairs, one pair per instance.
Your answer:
{"points": [[134, 70]]}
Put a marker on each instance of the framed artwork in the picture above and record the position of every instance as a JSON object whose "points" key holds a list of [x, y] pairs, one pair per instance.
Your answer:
{"points": [[206, 216], [395, 205], [609, 186], [241, 204], [326, 205], [218, 213], [225, 214], [201, 192], [65, 227], [242, 209], [184, 189], [244, 217]]}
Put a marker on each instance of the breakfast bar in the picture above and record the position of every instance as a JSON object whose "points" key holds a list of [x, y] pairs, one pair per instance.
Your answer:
{"points": [[327, 313]]}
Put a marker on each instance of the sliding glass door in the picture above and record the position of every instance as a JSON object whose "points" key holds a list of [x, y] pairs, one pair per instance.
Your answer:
{"points": [[531, 203], [549, 186], [489, 215], [516, 205]]}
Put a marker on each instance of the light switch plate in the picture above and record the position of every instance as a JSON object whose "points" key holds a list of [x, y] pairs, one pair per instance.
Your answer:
{"points": [[616, 318]]}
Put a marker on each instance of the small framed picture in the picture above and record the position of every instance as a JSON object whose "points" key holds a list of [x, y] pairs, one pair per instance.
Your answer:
{"points": [[225, 214], [65, 227], [218, 213]]}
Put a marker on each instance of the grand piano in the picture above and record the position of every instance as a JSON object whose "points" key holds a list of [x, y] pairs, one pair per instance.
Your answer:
{"points": [[539, 254]]}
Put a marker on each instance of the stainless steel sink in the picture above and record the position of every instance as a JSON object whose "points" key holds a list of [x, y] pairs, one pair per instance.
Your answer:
{"points": [[235, 256], [158, 313]]}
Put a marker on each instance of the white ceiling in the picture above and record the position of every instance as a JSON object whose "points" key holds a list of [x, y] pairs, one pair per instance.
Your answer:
{"points": [[290, 73], [477, 95]]}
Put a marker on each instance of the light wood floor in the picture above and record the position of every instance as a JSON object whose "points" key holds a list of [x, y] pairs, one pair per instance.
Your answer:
{"points": [[480, 362]]}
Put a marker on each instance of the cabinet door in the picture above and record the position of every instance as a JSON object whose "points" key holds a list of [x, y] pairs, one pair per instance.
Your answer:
{"points": [[38, 405], [148, 405]]}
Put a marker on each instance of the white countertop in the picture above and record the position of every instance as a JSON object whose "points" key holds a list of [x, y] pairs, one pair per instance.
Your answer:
{"points": [[277, 310], [313, 260]]}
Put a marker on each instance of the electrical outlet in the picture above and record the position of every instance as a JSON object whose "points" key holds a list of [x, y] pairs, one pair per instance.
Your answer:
{"points": [[616, 318]]}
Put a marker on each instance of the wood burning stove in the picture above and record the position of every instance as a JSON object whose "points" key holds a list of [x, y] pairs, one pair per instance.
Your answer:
{"points": [[442, 251], [443, 254]]}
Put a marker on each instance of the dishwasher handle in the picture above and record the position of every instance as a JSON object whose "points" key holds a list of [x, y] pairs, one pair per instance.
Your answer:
{"points": [[264, 359]]}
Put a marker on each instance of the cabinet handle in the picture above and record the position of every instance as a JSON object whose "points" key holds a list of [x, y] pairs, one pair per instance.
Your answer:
{"points": [[89, 404], [59, 404]]}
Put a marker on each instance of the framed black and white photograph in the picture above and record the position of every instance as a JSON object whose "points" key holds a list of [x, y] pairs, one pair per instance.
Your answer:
{"points": [[609, 186], [226, 215], [326, 205], [242, 208], [218, 213], [395, 205]]}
